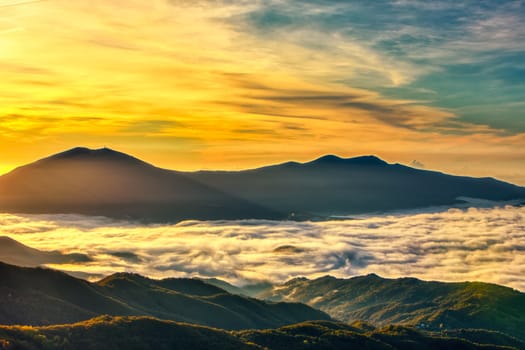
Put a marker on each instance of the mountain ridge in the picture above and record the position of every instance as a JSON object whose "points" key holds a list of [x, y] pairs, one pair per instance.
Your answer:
{"points": [[40, 296], [115, 333], [410, 301], [110, 183], [390, 308]]}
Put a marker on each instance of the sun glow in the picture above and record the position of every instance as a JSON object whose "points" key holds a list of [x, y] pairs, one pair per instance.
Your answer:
{"points": [[223, 85]]}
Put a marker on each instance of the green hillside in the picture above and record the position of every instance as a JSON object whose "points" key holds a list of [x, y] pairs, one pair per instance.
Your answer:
{"points": [[36, 296], [426, 305]]}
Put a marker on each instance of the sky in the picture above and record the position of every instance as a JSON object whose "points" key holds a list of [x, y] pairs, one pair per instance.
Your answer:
{"points": [[484, 244], [234, 84]]}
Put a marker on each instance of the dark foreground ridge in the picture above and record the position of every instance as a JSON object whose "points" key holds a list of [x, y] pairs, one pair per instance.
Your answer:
{"points": [[110, 183], [117, 333], [36, 296], [428, 315]]}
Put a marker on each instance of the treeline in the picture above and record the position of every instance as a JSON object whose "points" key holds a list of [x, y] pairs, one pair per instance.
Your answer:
{"points": [[130, 333]]}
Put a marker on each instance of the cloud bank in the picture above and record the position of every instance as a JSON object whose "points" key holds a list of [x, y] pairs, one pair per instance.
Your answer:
{"points": [[455, 245]]}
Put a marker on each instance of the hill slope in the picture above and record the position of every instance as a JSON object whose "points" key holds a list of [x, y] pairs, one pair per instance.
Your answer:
{"points": [[430, 305], [146, 333], [109, 183], [37, 296], [14, 252]]}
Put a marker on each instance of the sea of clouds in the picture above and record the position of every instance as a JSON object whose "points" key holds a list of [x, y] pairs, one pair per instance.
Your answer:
{"points": [[455, 245]]}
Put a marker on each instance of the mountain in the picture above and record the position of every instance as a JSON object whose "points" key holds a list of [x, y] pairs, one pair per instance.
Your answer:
{"points": [[430, 315], [359, 335], [36, 296], [117, 333], [337, 186], [15, 253], [428, 305], [109, 183]]}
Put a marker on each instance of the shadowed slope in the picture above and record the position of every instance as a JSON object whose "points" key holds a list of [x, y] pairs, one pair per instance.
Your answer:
{"points": [[43, 297], [109, 183], [13, 252], [335, 186]]}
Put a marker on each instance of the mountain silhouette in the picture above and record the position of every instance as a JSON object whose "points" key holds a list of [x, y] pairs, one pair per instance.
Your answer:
{"points": [[331, 185], [14, 252], [110, 183]]}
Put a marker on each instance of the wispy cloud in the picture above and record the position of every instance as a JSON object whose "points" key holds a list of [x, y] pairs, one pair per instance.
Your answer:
{"points": [[18, 3], [210, 84], [401, 44], [455, 245]]}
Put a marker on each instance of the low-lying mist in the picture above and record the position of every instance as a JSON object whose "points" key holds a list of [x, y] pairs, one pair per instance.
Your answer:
{"points": [[455, 245]]}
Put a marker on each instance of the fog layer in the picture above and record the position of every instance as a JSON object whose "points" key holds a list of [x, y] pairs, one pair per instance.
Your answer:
{"points": [[455, 245]]}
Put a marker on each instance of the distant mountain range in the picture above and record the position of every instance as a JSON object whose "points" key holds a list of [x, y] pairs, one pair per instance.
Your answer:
{"points": [[119, 333], [109, 183], [336, 186], [35, 296]]}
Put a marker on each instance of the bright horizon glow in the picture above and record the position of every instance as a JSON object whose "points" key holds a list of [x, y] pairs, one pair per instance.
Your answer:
{"points": [[238, 84]]}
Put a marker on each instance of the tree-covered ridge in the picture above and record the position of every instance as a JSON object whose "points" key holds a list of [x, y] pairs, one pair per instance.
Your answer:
{"points": [[36, 296], [425, 313], [130, 333], [107, 332], [409, 301]]}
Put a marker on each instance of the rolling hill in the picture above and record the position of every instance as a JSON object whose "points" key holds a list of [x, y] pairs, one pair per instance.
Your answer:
{"points": [[36, 296], [109, 183], [116, 333], [427, 305]]}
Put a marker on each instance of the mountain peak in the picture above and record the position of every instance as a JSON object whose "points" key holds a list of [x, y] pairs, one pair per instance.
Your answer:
{"points": [[328, 158], [8, 242], [331, 159], [84, 153]]}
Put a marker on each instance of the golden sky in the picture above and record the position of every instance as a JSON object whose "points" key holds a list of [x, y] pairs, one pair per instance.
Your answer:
{"points": [[235, 84]]}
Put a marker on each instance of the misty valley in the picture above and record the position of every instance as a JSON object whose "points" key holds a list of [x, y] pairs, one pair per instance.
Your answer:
{"points": [[266, 174]]}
